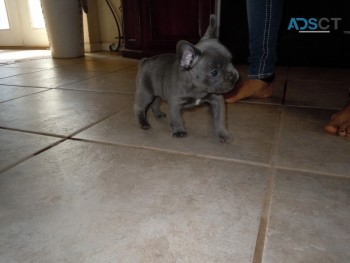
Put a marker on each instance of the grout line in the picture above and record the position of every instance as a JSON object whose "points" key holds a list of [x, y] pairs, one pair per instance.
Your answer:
{"points": [[312, 172], [24, 86], [310, 107], [284, 92], [267, 203], [264, 219], [35, 132], [63, 138], [85, 79], [24, 96], [285, 86], [210, 157], [96, 91], [255, 102], [21, 74], [31, 155], [16, 85], [278, 131], [49, 146], [62, 88], [265, 214], [93, 124]]}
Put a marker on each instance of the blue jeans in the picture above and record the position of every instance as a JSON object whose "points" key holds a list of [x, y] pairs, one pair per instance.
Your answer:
{"points": [[264, 19]]}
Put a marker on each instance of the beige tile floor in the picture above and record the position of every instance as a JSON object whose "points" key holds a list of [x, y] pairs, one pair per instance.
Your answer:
{"points": [[80, 182]]}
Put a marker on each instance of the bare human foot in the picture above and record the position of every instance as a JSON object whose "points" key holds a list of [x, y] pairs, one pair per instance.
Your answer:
{"points": [[251, 88], [340, 122]]}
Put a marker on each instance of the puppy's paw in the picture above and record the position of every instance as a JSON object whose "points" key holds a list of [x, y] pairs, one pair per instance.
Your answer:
{"points": [[180, 134], [225, 138], [160, 115], [145, 126]]}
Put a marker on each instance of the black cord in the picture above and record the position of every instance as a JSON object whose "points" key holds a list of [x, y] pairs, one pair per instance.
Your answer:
{"points": [[112, 46]]}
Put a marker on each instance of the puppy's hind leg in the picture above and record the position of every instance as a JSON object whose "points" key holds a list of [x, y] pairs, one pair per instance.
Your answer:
{"points": [[142, 101], [155, 108]]}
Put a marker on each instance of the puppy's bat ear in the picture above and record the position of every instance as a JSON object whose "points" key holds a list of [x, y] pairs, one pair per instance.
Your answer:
{"points": [[211, 31], [187, 55]]}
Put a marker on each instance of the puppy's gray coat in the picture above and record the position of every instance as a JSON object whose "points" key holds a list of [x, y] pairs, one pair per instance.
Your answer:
{"points": [[197, 74]]}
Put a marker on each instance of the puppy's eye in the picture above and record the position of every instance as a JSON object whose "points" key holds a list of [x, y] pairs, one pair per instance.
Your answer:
{"points": [[215, 73]]}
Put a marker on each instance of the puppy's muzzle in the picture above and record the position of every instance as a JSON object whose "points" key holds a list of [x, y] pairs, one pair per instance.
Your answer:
{"points": [[230, 80]]}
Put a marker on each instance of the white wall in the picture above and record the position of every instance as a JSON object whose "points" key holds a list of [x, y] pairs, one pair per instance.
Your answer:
{"points": [[107, 25], [100, 28]]}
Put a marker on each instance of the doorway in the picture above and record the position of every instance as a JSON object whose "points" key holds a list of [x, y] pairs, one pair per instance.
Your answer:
{"points": [[22, 24]]}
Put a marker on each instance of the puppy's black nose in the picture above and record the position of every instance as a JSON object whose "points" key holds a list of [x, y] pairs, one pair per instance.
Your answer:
{"points": [[232, 76]]}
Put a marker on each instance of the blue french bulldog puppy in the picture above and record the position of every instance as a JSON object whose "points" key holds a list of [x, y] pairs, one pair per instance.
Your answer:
{"points": [[196, 74]]}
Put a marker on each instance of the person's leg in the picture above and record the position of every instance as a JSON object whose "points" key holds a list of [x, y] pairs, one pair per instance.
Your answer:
{"points": [[340, 122], [264, 18]]}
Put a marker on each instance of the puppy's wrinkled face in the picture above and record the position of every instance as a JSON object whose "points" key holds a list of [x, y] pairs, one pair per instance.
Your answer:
{"points": [[210, 66], [214, 72]]}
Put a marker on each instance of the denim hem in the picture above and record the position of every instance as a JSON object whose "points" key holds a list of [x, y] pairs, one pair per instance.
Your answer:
{"points": [[261, 76]]}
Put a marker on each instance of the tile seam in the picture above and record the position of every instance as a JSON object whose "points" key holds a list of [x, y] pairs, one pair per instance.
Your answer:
{"points": [[264, 219], [225, 159], [317, 173], [34, 132], [266, 209], [31, 155]]}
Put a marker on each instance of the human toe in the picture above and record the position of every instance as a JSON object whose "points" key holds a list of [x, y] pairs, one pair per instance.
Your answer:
{"points": [[330, 128], [344, 129], [333, 126]]}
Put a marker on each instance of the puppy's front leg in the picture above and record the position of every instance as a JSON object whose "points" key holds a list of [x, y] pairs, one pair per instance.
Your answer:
{"points": [[176, 121], [217, 104]]}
